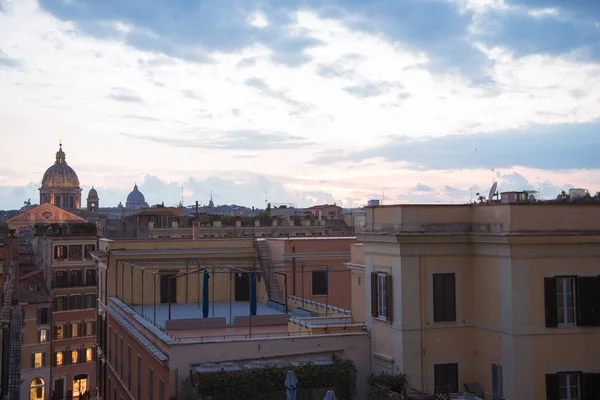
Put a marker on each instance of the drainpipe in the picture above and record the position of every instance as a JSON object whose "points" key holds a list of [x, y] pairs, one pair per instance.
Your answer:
{"points": [[423, 290], [293, 270]]}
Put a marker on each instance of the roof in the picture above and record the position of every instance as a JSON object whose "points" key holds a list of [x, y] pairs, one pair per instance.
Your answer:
{"points": [[319, 206], [60, 174], [135, 196], [33, 289]]}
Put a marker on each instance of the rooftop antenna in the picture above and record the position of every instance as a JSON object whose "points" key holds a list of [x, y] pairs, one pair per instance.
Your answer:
{"points": [[182, 196], [266, 200], [492, 193]]}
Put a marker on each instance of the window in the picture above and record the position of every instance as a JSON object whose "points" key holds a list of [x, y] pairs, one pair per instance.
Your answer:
{"points": [[122, 357], [446, 375], [60, 252], [43, 335], [381, 296], [60, 358], [150, 384], [320, 283], [60, 303], [90, 328], [75, 329], [89, 301], [75, 302], [90, 277], [89, 248], [37, 359], [61, 279], [43, 316], [89, 354], [161, 389], [109, 349], [76, 277], [572, 301], [74, 356], [60, 331], [444, 297], [36, 389], [75, 252], [115, 350]]}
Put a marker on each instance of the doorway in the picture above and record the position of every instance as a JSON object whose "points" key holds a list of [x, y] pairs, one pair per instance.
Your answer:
{"points": [[242, 286], [168, 288], [59, 388]]}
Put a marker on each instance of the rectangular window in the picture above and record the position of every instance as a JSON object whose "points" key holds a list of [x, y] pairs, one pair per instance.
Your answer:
{"points": [[74, 356], [90, 328], [60, 331], [161, 389], [320, 283], [446, 375], [43, 316], [89, 301], [75, 330], [572, 301], [90, 277], [76, 277], [116, 341], [43, 335], [89, 354], [60, 252], [122, 357], [61, 279], [60, 303], [568, 386], [38, 360], [381, 296], [444, 297], [89, 248], [60, 358], [565, 301], [75, 252], [75, 302], [150, 384], [572, 386]]}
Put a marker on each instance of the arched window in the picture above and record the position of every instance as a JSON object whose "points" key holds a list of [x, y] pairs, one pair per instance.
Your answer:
{"points": [[36, 389]]}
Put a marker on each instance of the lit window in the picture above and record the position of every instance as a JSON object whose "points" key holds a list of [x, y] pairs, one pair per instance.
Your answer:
{"points": [[39, 360], [60, 331], [74, 356], [60, 358], [89, 354], [43, 335]]}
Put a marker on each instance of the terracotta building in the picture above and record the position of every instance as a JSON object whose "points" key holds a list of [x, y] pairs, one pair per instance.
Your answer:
{"points": [[454, 292]]}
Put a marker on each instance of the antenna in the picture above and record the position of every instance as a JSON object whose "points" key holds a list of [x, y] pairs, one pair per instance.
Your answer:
{"points": [[266, 200], [539, 188], [492, 193], [182, 196]]}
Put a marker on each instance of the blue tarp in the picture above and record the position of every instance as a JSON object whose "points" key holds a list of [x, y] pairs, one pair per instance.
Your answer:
{"points": [[205, 295], [252, 293]]}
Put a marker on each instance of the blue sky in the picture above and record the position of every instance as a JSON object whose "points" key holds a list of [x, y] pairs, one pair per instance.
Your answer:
{"points": [[308, 100]]}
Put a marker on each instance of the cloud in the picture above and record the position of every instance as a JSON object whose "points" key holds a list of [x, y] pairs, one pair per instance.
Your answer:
{"points": [[280, 95], [364, 91], [423, 188], [6, 61], [238, 140], [543, 147], [124, 95], [258, 20]]}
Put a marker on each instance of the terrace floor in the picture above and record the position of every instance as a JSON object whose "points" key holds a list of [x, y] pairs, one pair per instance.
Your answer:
{"points": [[194, 310]]}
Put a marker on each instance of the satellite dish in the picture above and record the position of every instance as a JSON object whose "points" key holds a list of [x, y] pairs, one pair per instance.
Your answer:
{"points": [[492, 191]]}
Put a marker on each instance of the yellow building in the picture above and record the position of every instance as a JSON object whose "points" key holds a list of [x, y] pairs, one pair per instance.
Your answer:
{"points": [[456, 289]]}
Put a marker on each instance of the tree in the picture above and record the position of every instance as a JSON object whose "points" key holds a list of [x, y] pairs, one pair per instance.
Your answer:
{"points": [[269, 208]]}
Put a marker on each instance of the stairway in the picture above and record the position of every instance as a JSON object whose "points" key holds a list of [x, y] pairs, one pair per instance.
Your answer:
{"points": [[16, 342], [264, 258]]}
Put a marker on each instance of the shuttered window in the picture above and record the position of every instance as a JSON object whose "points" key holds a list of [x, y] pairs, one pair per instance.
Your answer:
{"points": [[446, 375], [381, 296], [444, 297], [320, 283], [572, 386], [572, 301]]}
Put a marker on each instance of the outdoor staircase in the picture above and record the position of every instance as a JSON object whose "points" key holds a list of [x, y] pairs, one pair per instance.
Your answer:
{"points": [[264, 258], [16, 342]]}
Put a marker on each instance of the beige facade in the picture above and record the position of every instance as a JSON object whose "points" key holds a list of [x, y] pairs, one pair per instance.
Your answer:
{"points": [[455, 289]]}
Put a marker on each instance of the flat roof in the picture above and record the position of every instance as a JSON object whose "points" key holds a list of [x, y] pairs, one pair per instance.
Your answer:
{"points": [[194, 310], [140, 252]]}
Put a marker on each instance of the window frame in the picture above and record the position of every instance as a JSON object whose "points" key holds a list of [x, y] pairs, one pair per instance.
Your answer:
{"points": [[444, 298], [564, 294], [382, 296], [312, 282], [382, 300], [568, 385], [47, 334]]}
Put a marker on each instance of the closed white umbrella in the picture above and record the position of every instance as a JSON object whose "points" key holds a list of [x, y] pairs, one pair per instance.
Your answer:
{"points": [[330, 395], [290, 385]]}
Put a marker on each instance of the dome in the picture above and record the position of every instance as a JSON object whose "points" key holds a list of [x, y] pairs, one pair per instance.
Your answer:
{"points": [[92, 192], [136, 196], [136, 199], [60, 175]]}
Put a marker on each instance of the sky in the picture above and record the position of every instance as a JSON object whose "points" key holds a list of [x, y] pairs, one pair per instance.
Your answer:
{"points": [[300, 101]]}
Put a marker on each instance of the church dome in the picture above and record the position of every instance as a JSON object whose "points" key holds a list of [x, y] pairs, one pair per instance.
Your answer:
{"points": [[136, 199], [60, 175], [92, 192]]}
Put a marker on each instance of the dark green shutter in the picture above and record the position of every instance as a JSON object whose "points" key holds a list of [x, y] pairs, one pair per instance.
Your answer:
{"points": [[374, 294], [32, 360], [552, 385], [590, 386], [44, 359], [550, 302], [39, 316], [389, 306]]}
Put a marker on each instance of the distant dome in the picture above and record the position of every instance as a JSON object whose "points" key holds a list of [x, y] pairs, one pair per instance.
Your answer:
{"points": [[92, 192], [60, 175], [136, 199]]}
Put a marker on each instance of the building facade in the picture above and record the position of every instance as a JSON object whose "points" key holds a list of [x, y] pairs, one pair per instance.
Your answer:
{"points": [[455, 290], [64, 255]]}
